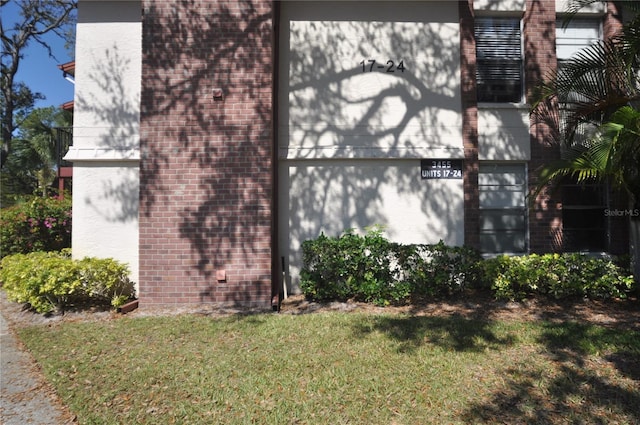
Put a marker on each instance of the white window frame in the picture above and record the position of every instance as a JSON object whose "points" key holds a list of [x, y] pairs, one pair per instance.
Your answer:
{"points": [[509, 178], [579, 33]]}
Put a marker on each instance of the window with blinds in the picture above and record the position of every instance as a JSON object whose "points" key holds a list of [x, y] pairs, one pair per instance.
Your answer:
{"points": [[584, 222], [498, 60], [572, 37]]}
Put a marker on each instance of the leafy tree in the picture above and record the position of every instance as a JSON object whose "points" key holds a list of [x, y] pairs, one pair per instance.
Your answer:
{"points": [[39, 17], [31, 166]]}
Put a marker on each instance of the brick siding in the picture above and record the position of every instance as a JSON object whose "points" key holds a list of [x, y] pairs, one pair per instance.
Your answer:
{"points": [[545, 215], [469, 125], [206, 196]]}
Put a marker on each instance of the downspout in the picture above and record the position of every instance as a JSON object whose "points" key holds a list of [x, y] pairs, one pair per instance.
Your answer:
{"points": [[277, 275]]}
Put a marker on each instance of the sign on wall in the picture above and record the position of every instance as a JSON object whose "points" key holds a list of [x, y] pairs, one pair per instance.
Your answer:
{"points": [[441, 169]]}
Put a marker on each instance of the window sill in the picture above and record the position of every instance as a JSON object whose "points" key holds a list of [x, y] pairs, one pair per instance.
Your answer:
{"points": [[503, 105]]}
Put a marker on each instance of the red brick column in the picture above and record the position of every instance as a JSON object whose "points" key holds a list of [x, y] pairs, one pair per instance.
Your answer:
{"points": [[206, 152], [469, 124], [612, 24], [545, 215]]}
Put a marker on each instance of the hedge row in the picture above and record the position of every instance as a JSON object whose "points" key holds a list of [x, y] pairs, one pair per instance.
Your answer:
{"points": [[557, 276], [52, 281], [370, 268]]}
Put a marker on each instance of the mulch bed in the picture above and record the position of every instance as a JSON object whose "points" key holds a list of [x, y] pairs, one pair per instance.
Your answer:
{"points": [[614, 313]]}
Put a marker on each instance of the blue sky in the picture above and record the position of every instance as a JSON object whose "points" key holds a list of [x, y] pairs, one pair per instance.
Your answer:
{"points": [[39, 71]]}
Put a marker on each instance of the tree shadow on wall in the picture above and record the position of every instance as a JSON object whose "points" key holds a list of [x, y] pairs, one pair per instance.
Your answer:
{"points": [[206, 160], [213, 157], [344, 111], [116, 109], [209, 161]]}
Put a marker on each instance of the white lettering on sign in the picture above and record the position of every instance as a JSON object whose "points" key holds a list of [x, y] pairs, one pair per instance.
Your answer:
{"points": [[440, 164], [441, 168]]}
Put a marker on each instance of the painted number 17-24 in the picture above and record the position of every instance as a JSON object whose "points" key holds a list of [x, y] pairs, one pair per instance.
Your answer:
{"points": [[370, 65]]}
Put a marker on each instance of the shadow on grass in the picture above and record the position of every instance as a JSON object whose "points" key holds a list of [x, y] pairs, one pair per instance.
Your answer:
{"points": [[594, 378], [454, 333], [578, 372]]}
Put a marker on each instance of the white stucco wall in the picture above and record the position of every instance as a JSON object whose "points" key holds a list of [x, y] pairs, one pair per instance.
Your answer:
{"points": [[499, 5], [351, 134], [520, 5], [105, 211], [334, 196], [595, 8], [331, 105], [503, 133], [105, 150]]}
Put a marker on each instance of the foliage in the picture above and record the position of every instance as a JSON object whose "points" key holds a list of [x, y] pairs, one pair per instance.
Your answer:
{"points": [[50, 281], [439, 269], [372, 269], [31, 167], [350, 266], [38, 224], [611, 154], [38, 18], [592, 102], [556, 276]]}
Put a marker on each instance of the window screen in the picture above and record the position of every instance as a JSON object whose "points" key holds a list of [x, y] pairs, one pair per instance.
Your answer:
{"points": [[576, 35], [502, 189]]}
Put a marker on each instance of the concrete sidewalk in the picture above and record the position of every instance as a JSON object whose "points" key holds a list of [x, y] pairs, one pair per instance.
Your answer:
{"points": [[25, 397]]}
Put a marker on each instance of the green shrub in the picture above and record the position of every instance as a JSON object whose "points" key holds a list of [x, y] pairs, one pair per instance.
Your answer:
{"points": [[372, 269], [50, 281], [350, 266], [38, 224], [556, 276], [440, 269]]}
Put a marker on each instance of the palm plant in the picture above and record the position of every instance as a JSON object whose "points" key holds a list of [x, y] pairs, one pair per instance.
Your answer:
{"points": [[598, 96], [593, 102], [31, 166], [610, 153]]}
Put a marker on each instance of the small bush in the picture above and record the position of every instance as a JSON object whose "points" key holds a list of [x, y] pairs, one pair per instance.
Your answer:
{"points": [[436, 270], [372, 269], [350, 266], [38, 224], [556, 276], [50, 281]]}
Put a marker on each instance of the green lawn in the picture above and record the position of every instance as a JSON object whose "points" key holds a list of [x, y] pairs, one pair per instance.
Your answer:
{"points": [[339, 368]]}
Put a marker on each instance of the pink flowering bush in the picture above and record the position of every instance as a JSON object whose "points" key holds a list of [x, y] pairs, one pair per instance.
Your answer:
{"points": [[37, 224]]}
